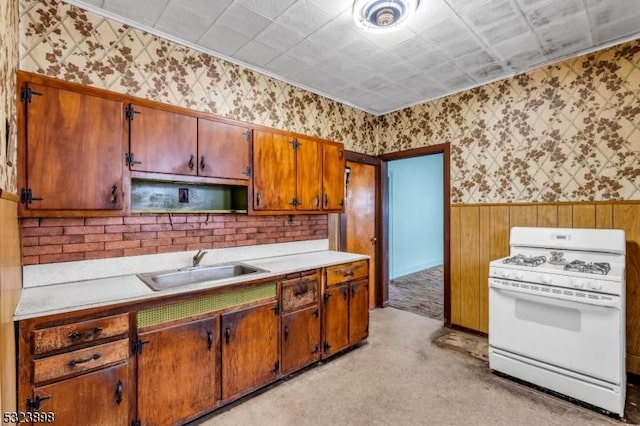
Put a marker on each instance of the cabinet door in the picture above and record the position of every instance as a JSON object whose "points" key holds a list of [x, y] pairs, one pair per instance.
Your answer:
{"points": [[249, 349], [163, 141], [336, 319], [309, 174], [177, 368], [358, 311], [332, 177], [223, 150], [300, 339], [274, 172], [73, 150], [98, 398]]}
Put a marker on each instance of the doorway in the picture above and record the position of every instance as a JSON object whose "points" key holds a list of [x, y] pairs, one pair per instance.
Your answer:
{"points": [[359, 225], [415, 244]]}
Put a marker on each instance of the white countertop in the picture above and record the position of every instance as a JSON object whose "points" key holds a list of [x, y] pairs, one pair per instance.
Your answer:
{"points": [[72, 296]]}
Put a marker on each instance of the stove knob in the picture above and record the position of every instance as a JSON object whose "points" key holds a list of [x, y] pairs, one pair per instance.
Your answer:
{"points": [[518, 275], [594, 286], [504, 274], [576, 284], [545, 279]]}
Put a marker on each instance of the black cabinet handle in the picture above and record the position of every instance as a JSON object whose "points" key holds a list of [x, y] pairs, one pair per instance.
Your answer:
{"points": [[227, 335], [119, 391], [326, 200], [114, 195], [258, 199], [75, 362], [286, 333], [202, 162], [317, 201], [209, 340], [84, 334], [192, 159], [303, 288], [345, 292], [354, 288], [315, 313]]}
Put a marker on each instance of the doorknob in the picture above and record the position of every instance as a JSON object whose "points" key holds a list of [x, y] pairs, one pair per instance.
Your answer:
{"points": [[373, 241]]}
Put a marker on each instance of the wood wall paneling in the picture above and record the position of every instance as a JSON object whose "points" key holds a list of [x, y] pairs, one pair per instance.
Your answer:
{"points": [[480, 233], [470, 267], [584, 216], [565, 216], [548, 216], [455, 265], [10, 285], [627, 217]]}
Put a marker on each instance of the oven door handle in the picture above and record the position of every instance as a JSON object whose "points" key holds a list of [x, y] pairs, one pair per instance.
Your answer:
{"points": [[535, 297]]}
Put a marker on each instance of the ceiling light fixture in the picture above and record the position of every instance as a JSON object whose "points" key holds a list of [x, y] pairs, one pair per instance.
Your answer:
{"points": [[379, 16]]}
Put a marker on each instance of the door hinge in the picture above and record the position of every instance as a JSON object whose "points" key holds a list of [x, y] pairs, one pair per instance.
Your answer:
{"points": [[295, 202], [136, 347], [326, 297], [136, 423], [247, 171], [295, 144], [26, 196], [34, 405], [129, 159], [326, 346], [26, 94], [247, 135], [129, 112], [276, 309]]}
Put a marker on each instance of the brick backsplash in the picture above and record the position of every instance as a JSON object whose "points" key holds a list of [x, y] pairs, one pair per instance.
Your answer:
{"points": [[49, 240]]}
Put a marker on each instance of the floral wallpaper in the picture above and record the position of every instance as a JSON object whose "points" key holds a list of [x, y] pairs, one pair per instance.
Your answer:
{"points": [[565, 132], [66, 42], [8, 66]]}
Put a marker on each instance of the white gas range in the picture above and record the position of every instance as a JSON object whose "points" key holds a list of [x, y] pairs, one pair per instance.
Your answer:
{"points": [[557, 313]]}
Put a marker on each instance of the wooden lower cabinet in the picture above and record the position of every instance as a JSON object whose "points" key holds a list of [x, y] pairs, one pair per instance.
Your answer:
{"points": [[249, 354], [177, 372], [300, 337], [358, 311], [336, 319], [98, 398]]}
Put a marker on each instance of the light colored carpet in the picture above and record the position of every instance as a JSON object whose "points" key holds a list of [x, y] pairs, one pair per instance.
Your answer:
{"points": [[421, 293], [399, 377]]}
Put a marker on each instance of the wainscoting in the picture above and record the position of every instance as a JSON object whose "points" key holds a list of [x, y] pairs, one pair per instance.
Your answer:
{"points": [[480, 233]]}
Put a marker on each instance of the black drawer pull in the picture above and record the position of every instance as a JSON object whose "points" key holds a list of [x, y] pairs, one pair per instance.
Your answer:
{"points": [[227, 335], [209, 340], [75, 362], [119, 391], [84, 334]]}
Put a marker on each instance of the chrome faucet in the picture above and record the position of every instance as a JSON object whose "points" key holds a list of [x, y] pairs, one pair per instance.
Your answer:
{"points": [[198, 257]]}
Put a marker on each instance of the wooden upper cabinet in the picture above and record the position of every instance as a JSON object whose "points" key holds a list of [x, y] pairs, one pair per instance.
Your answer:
{"points": [[274, 172], [223, 150], [332, 176], [72, 150], [163, 141], [309, 174]]}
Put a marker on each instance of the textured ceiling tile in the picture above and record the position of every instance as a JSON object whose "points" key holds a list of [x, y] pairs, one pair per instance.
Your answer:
{"points": [[303, 17], [333, 34], [388, 40], [223, 39], [570, 35], [488, 14], [430, 13], [144, 11], [525, 42], [269, 8], [278, 37], [504, 31], [189, 21], [243, 21], [333, 7], [256, 53], [617, 30], [547, 13]]}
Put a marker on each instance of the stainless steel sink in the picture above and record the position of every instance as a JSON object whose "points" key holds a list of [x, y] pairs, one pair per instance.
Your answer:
{"points": [[187, 276]]}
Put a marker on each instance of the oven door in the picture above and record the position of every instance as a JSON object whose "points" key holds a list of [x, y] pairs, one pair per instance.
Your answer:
{"points": [[582, 337]]}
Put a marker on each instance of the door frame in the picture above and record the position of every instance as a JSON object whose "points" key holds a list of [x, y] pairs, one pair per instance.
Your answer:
{"points": [[356, 157], [445, 150]]}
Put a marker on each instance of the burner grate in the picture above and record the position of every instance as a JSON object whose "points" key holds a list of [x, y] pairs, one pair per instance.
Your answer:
{"points": [[601, 268], [521, 259]]}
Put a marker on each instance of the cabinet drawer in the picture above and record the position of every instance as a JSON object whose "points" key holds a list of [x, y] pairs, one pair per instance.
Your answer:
{"points": [[69, 363], [348, 272], [299, 292], [64, 336]]}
